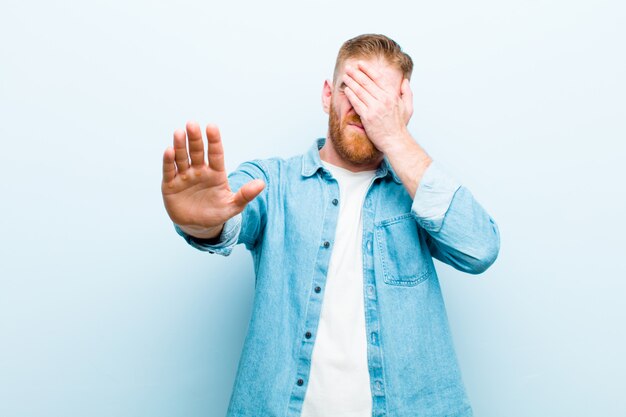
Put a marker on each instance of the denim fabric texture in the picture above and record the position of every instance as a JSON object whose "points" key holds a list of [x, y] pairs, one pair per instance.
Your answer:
{"points": [[289, 230]]}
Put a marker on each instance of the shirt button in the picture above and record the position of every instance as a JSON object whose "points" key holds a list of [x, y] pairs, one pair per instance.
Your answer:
{"points": [[300, 382], [335, 201], [369, 245], [378, 385], [374, 338], [307, 335], [326, 244], [318, 289], [370, 291]]}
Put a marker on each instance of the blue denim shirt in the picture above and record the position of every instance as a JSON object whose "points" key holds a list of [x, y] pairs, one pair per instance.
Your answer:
{"points": [[290, 228]]}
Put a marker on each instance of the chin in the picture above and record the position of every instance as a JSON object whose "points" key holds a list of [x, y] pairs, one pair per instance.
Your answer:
{"points": [[357, 149], [351, 142]]}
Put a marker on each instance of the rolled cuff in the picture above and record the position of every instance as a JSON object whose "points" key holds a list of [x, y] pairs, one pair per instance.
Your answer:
{"points": [[223, 244], [433, 197]]}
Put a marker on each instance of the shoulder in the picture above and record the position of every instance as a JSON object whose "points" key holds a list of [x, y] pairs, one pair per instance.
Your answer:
{"points": [[271, 170]]}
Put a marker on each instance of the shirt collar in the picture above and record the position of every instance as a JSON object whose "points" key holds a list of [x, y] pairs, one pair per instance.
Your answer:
{"points": [[311, 163]]}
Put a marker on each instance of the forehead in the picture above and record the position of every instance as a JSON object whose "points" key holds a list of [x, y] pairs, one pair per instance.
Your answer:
{"points": [[378, 65]]}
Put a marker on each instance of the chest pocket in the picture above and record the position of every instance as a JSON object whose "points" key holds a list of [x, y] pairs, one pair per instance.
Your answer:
{"points": [[404, 256]]}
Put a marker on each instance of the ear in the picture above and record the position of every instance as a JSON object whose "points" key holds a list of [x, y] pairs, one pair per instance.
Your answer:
{"points": [[327, 93], [407, 97]]}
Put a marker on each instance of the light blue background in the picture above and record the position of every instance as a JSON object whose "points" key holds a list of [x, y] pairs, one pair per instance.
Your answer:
{"points": [[104, 310]]}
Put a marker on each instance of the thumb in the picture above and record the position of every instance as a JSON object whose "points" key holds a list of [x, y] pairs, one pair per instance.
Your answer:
{"points": [[248, 192]]}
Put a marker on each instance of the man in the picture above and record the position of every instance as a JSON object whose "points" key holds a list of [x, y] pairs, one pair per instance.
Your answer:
{"points": [[348, 317]]}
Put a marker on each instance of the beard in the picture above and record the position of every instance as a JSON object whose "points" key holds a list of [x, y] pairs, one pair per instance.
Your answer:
{"points": [[351, 144]]}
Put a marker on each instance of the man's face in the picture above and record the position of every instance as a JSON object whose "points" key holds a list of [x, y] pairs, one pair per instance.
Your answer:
{"points": [[346, 131], [349, 137]]}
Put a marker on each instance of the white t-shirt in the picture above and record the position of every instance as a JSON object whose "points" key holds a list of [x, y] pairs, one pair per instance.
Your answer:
{"points": [[339, 384]]}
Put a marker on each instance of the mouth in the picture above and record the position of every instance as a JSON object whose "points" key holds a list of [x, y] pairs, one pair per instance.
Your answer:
{"points": [[357, 125]]}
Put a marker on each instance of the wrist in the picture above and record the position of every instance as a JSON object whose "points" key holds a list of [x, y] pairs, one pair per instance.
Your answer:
{"points": [[399, 144], [202, 232]]}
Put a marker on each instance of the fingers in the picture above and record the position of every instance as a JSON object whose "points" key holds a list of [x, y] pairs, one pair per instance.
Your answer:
{"points": [[215, 148], [180, 148], [248, 192], [376, 83], [362, 79], [195, 144], [364, 95], [374, 75], [359, 107], [169, 168], [191, 139]]}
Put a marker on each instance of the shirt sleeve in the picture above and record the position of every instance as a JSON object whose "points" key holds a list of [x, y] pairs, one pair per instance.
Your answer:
{"points": [[459, 232], [433, 197], [223, 244]]}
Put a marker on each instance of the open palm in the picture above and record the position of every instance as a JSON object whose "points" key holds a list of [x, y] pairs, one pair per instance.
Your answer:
{"points": [[195, 189]]}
